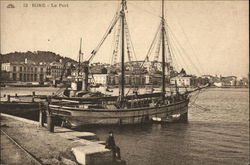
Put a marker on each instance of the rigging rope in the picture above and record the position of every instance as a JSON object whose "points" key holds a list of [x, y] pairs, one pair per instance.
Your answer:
{"points": [[196, 69], [148, 53], [158, 32], [152, 45], [130, 39], [127, 41], [173, 45], [172, 53], [157, 51], [113, 46], [194, 53], [109, 30], [117, 40], [195, 98], [168, 56]]}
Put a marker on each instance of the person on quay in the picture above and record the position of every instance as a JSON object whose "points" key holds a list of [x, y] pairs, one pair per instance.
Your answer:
{"points": [[110, 144]]}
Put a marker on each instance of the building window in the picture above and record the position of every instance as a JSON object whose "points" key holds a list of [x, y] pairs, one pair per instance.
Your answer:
{"points": [[21, 76], [14, 68], [35, 69], [41, 77], [41, 69], [21, 69], [24, 69], [14, 76], [24, 77]]}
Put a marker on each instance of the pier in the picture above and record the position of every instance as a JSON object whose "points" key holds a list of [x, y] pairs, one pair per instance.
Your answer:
{"points": [[28, 141]]}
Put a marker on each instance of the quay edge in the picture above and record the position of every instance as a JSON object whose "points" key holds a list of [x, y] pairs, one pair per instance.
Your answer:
{"points": [[57, 147]]}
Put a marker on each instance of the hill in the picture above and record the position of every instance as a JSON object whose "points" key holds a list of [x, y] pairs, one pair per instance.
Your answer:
{"points": [[38, 56]]}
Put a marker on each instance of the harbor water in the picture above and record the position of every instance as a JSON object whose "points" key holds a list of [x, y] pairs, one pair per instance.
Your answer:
{"points": [[217, 132]]}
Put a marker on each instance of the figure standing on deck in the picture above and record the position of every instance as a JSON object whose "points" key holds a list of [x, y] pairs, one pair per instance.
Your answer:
{"points": [[110, 144]]}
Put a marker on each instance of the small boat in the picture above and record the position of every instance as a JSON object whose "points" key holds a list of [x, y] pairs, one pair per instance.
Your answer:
{"points": [[109, 90], [168, 119]]}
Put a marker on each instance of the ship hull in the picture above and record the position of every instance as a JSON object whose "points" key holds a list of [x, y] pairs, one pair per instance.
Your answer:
{"points": [[77, 117], [16, 108]]}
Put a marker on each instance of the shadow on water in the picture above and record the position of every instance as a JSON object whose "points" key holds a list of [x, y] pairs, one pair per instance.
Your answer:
{"points": [[132, 128]]}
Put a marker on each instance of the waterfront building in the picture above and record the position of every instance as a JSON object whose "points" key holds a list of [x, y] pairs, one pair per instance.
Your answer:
{"points": [[199, 81], [98, 74], [100, 78], [155, 79], [183, 81], [114, 79], [99, 68], [147, 79], [218, 84], [27, 71], [59, 70], [55, 70]]}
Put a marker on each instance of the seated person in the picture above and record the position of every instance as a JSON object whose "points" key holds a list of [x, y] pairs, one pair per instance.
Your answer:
{"points": [[110, 144]]}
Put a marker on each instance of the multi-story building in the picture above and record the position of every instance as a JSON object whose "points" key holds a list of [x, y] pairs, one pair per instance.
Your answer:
{"points": [[55, 70], [23, 71], [100, 78], [188, 80], [114, 79], [183, 81]]}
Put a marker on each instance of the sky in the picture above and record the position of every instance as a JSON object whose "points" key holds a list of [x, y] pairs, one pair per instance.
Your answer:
{"points": [[213, 35]]}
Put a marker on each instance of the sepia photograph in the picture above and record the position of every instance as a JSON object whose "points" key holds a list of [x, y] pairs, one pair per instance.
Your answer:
{"points": [[124, 82]]}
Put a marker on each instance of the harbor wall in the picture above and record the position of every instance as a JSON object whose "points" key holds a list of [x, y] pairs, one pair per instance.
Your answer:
{"points": [[57, 147]]}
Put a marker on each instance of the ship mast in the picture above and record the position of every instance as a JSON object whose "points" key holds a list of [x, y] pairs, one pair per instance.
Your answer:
{"points": [[122, 15], [163, 53], [79, 60]]}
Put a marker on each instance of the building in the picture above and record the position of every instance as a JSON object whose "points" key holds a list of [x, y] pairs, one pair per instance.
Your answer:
{"points": [[115, 79], [183, 81], [26, 71], [155, 79], [218, 84], [55, 70], [100, 79], [147, 79], [200, 81]]}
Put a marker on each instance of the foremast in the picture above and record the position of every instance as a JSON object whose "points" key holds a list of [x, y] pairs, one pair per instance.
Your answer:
{"points": [[122, 15], [163, 53], [122, 18]]}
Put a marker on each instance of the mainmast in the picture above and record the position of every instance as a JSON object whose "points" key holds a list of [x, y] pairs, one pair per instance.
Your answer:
{"points": [[122, 15], [163, 53]]}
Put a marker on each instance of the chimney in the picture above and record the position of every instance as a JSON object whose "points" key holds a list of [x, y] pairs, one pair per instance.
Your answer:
{"points": [[26, 61]]}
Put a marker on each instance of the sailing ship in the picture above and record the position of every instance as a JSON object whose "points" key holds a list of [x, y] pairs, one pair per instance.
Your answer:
{"points": [[123, 109]]}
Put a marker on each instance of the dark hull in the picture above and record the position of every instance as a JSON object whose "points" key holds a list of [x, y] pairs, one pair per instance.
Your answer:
{"points": [[78, 116], [19, 108]]}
